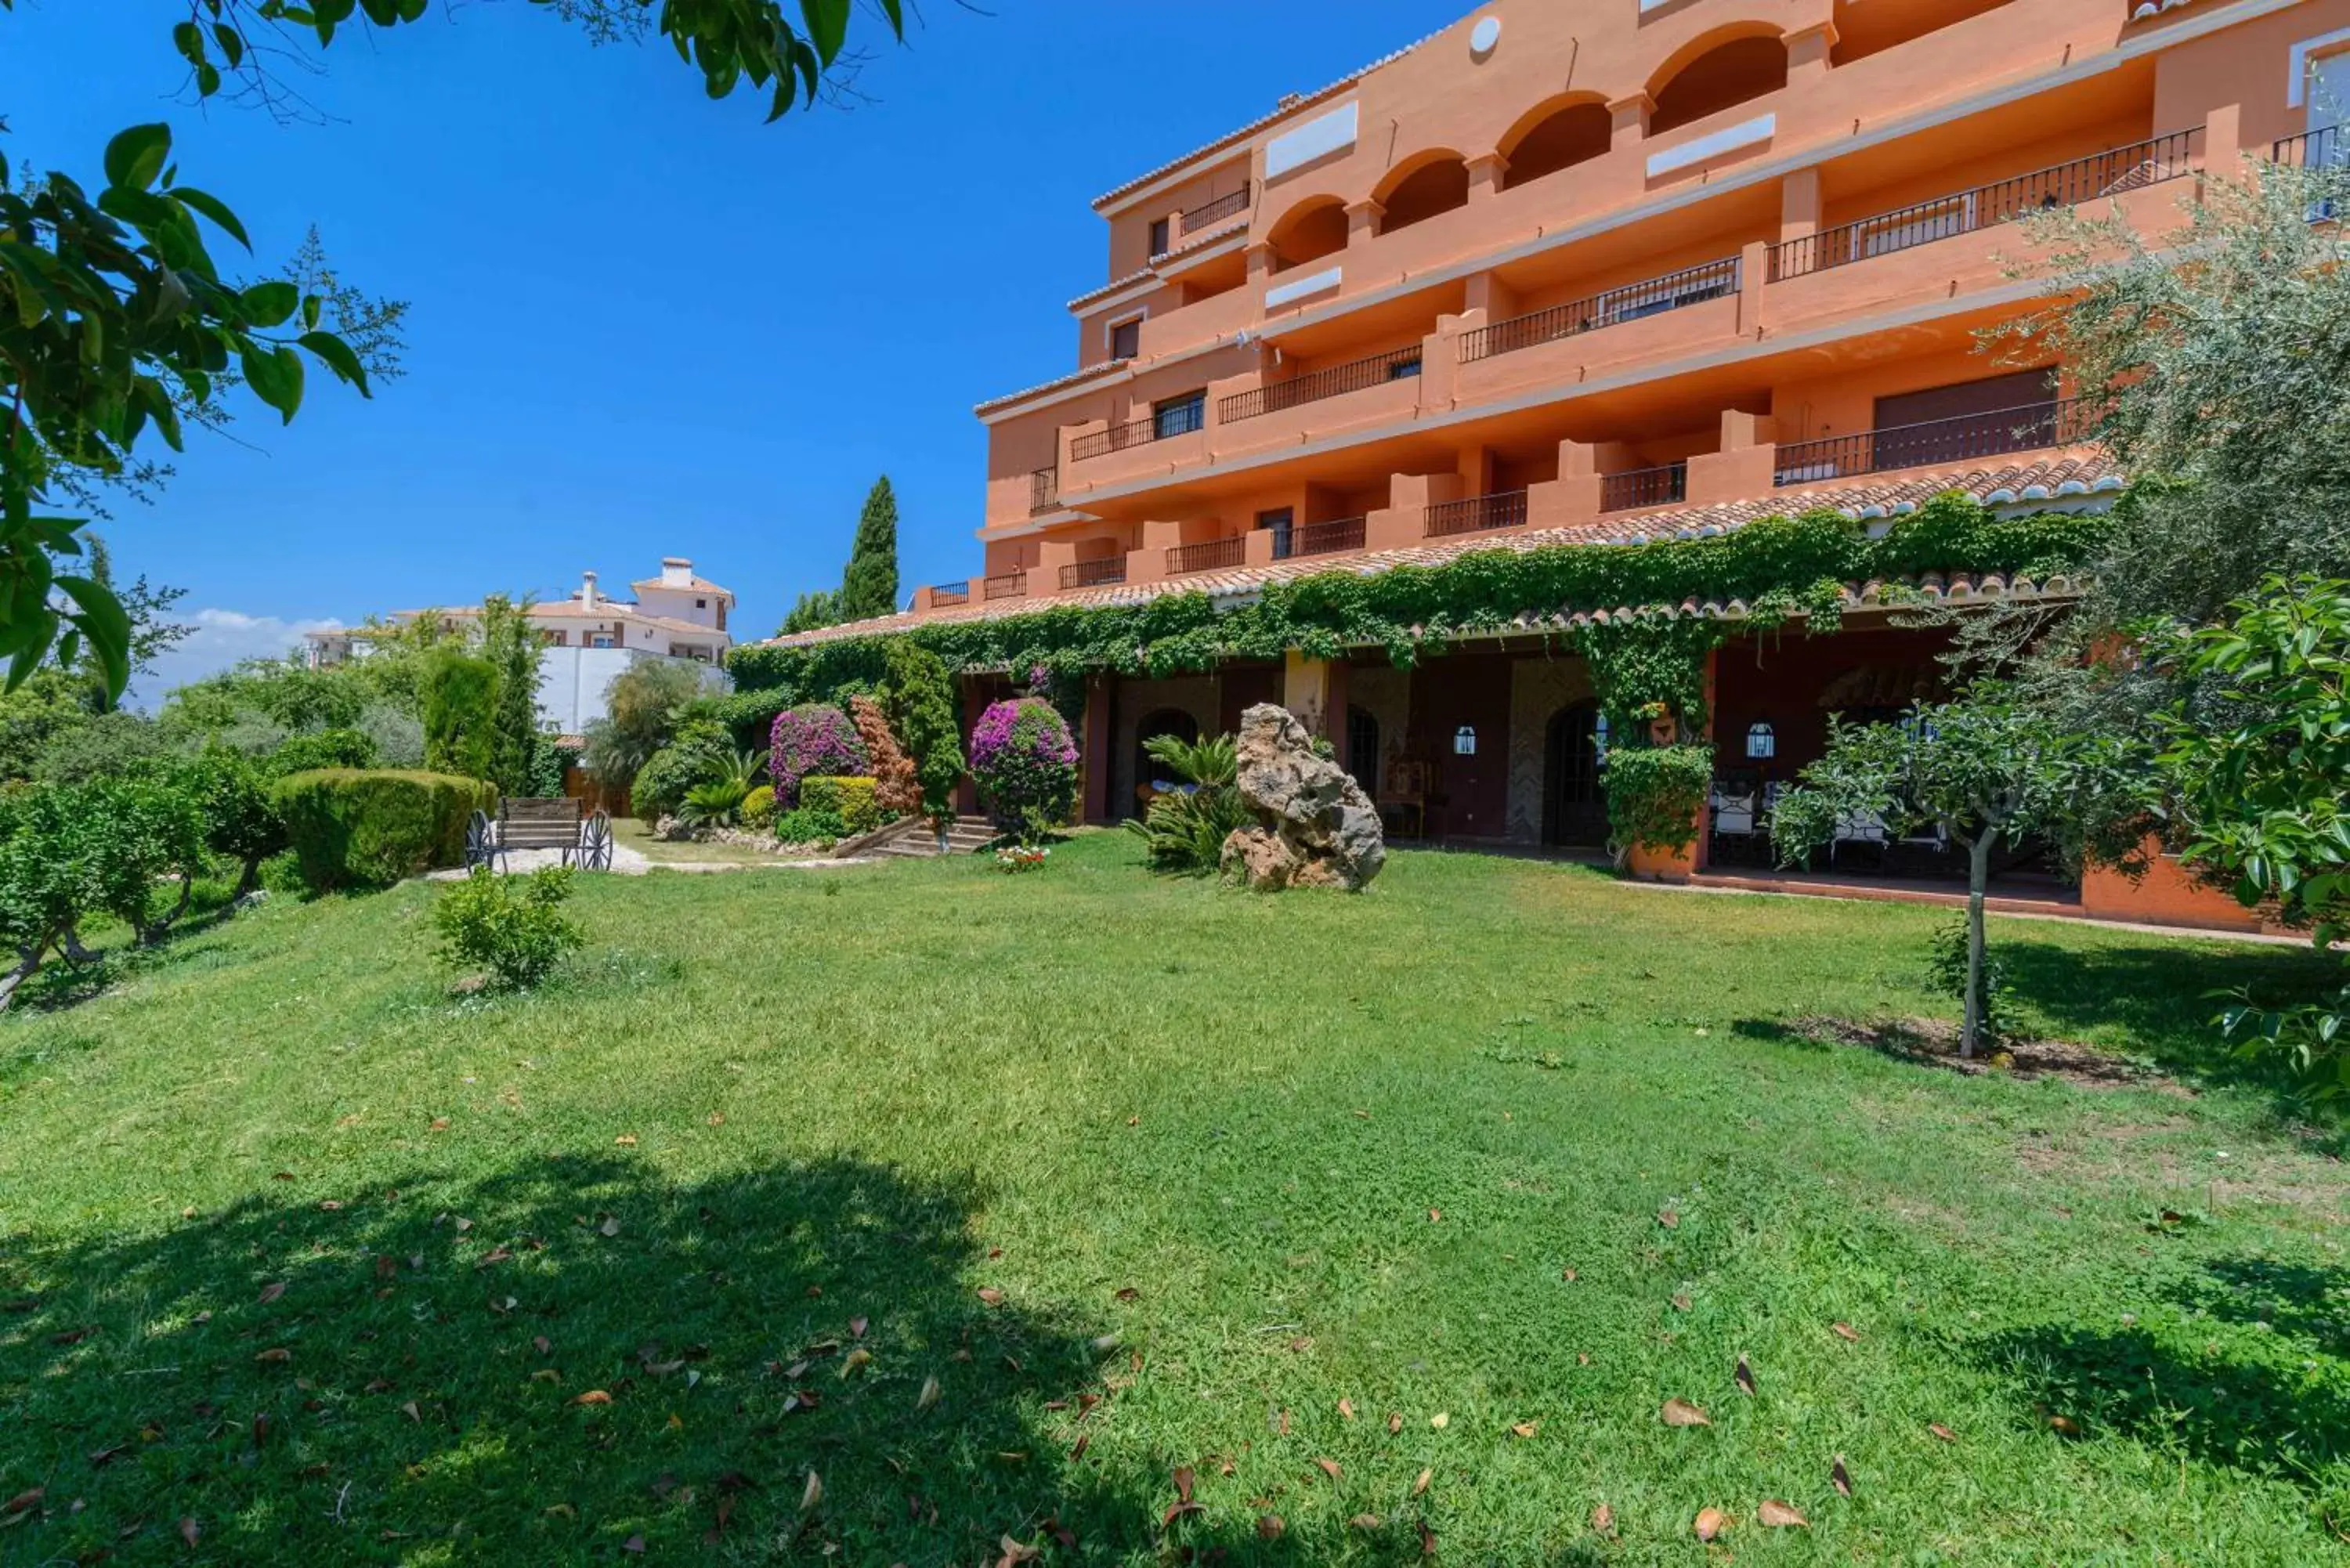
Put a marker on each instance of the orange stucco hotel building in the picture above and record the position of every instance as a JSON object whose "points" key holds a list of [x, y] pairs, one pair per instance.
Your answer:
{"points": [[1616, 270]]}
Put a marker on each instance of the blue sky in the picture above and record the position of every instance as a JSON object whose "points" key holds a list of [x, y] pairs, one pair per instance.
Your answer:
{"points": [[644, 323]]}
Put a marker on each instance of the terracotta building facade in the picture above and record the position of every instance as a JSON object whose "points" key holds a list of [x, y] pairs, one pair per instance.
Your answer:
{"points": [[1601, 273]]}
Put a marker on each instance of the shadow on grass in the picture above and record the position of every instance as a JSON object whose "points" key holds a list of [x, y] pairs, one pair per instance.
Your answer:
{"points": [[2164, 998], [2246, 1368], [573, 1361]]}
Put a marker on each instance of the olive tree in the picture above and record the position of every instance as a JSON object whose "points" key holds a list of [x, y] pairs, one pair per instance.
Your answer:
{"points": [[1986, 770]]}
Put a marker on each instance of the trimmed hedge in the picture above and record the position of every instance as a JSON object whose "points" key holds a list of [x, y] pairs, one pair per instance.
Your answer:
{"points": [[852, 800], [361, 828]]}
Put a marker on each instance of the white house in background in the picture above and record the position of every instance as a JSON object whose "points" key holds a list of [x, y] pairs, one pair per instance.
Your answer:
{"points": [[591, 637]]}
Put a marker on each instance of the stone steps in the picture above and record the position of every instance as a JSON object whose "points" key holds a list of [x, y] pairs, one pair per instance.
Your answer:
{"points": [[917, 841]]}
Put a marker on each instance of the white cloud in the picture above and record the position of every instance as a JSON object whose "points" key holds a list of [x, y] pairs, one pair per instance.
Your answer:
{"points": [[222, 639]]}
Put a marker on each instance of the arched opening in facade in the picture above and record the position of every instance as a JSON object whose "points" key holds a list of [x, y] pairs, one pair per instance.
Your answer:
{"points": [[1725, 76], [1556, 136], [1308, 231], [1434, 184]]}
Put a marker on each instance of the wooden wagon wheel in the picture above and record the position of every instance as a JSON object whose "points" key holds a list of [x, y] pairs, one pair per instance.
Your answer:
{"points": [[480, 844], [596, 843]]}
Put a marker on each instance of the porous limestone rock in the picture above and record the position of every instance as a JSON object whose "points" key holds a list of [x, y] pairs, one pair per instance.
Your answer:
{"points": [[1316, 827]]}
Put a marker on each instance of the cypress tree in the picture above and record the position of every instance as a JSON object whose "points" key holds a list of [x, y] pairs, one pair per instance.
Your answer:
{"points": [[868, 586]]}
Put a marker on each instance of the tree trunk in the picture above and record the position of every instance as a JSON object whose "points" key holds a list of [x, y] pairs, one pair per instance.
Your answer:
{"points": [[70, 945], [153, 931], [28, 960], [1978, 886], [248, 881]]}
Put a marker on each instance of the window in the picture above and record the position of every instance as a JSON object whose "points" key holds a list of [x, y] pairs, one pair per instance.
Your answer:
{"points": [[1125, 339], [1281, 524], [601, 640], [1403, 369], [701, 604], [1179, 416], [1158, 239]]}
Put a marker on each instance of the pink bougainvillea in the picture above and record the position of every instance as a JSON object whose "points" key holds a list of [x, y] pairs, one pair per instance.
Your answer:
{"points": [[1026, 766], [813, 742]]}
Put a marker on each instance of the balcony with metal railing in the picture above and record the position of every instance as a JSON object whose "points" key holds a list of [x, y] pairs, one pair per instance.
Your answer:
{"points": [[944, 594], [1654, 297], [1210, 214], [1103, 572], [2110, 173], [1163, 423], [1961, 440], [2325, 148], [1379, 371], [1004, 586], [1476, 515], [1330, 538], [1208, 556], [1665, 486]]}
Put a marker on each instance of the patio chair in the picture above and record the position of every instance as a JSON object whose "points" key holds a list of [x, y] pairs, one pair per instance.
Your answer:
{"points": [[1858, 827]]}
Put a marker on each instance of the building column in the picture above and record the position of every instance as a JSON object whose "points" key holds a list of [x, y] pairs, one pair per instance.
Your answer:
{"points": [[1808, 54], [2223, 140], [1744, 467], [1629, 116], [1260, 264], [1486, 172], [1094, 749], [1799, 205], [1363, 222], [1314, 690]]}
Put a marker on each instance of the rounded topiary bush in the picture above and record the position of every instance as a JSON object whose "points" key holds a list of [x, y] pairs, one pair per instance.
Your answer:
{"points": [[817, 741], [1027, 767], [351, 827]]}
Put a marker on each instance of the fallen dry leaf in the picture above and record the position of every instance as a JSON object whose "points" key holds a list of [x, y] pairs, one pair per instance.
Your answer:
{"points": [[990, 1295], [1710, 1523], [1270, 1527], [1185, 1479], [260, 1429], [593, 1397], [440, 1124], [929, 1394], [812, 1493], [1015, 1553], [625, 1140], [1845, 1331], [1526, 1430], [1439, 1420], [856, 1327], [1435, 1216], [274, 1357], [1346, 1409], [559, 1510], [1568, 1275], [1395, 1422], [611, 1225], [1943, 1432], [547, 1374], [24, 1502], [1427, 1540], [1745, 1375], [1840, 1477], [1421, 1485], [1365, 1521], [1681, 1413], [191, 1532], [1327, 1467], [856, 1361], [634, 1544], [410, 1411], [1179, 1510], [1668, 1219], [271, 1292], [2064, 1426], [1129, 1294], [1603, 1521], [1681, 1302], [1777, 1515], [718, 1119], [542, 1345]]}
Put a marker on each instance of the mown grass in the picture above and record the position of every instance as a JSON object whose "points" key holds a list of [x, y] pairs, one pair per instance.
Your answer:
{"points": [[1499, 1146]]}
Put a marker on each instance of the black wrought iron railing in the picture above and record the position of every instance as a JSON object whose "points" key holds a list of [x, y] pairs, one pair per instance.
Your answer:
{"points": [[1094, 574], [2327, 148], [1960, 440], [1398, 365], [2109, 174], [1661, 486], [1325, 539], [1477, 513], [1673, 291], [946, 594], [1005, 586], [1210, 555], [1217, 211], [1173, 419], [1043, 490]]}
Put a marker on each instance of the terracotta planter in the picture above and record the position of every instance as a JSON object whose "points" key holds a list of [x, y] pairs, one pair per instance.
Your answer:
{"points": [[1663, 731]]}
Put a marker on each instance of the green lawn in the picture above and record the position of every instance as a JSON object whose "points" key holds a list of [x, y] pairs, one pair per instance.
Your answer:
{"points": [[1146, 1175]]}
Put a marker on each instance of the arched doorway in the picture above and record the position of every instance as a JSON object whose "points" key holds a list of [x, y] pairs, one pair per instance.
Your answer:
{"points": [[1574, 809], [1363, 749], [1148, 770]]}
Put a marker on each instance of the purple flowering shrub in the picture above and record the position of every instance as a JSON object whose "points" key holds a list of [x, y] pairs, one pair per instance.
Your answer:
{"points": [[1027, 767], [814, 741]]}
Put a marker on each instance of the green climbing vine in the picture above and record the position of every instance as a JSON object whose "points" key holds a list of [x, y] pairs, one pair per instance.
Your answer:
{"points": [[1777, 567]]}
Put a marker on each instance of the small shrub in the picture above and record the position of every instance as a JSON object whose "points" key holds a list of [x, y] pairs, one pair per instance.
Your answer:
{"points": [[758, 809], [1653, 795], [354, 828], [897, 785], [699, 753], [854, 801], [718, 803], [324, 749], [805, 825], [1185, 830], [518, 936], [1027, 767], [1017, 859], [813, 742], [282, 874], [918, 696]]}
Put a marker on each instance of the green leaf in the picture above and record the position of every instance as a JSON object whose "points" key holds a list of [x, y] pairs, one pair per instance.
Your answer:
{"points": [[275, 377], [271, 304], [231, 42], [337, 356], [189, 39], [827, 25], [136, 156], [215, 209], [107, 625]]}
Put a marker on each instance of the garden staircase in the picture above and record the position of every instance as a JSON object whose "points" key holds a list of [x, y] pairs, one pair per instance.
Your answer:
{"points": [[914, 839]]}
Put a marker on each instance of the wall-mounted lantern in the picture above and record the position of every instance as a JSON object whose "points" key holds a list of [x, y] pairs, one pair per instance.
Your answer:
{"points": [[1762, 742], [1464, 741]]}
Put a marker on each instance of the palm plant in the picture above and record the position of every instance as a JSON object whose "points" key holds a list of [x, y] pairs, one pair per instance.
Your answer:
{"points": [[717, 803], [1184, 830]]}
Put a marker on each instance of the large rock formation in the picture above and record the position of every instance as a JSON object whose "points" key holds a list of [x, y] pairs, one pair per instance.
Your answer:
{"points": [[1316, 828]]}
